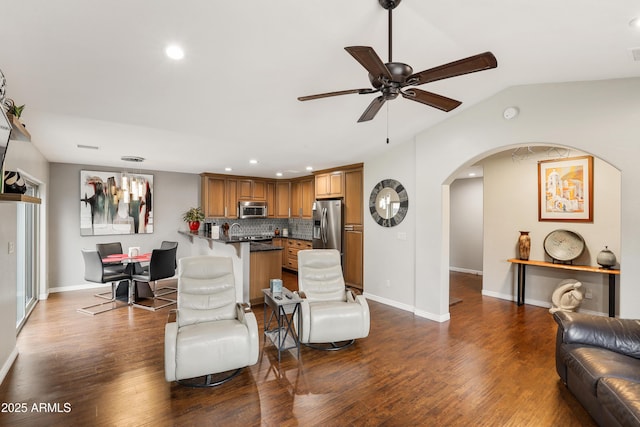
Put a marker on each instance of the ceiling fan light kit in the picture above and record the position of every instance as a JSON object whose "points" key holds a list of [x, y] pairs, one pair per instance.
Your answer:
{"points": [[391, 79]]}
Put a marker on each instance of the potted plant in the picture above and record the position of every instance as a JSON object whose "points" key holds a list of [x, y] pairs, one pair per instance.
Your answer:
{"points": [[16, 110], [193, 216]]}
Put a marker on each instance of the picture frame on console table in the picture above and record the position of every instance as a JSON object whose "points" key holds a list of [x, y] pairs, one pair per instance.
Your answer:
{"points": [[565, 189]]}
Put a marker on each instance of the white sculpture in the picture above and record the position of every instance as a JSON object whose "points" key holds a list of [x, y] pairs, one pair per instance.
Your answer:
{"points": [[567, 296]]}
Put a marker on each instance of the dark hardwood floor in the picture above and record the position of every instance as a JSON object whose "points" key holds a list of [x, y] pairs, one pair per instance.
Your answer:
{"points": [[492, 364]]}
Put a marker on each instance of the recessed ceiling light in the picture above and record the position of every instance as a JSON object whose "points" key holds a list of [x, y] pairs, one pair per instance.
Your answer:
{"points": [[472, 174], [309, 168], [278, 173], [228, 169], [253, 161], [174, 52], [635, 23]]}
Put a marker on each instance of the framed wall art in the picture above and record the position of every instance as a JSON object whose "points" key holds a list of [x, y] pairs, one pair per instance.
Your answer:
{"points": [[115, 203], [565, 189]]}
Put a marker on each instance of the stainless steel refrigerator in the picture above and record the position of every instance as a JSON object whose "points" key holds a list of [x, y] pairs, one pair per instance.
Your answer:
{"points": [[327, 224]]}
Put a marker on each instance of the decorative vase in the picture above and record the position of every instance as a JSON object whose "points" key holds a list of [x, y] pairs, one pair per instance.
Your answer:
{"points": [[524, 245], [194, 226], [606, 258], [13, 183]]}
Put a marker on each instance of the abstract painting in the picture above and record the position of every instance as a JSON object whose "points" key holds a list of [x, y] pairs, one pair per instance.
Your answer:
{"points": [[565, 189], [115, 203]]}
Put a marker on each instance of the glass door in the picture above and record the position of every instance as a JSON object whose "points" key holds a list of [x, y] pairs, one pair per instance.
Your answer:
{"points": [[27, 260]]}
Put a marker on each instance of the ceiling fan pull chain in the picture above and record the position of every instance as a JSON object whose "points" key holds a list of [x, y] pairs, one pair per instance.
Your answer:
{"points": [[387, 123]]}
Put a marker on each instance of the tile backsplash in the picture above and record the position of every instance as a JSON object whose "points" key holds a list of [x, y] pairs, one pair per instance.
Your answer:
{"points": [[298, 228]]}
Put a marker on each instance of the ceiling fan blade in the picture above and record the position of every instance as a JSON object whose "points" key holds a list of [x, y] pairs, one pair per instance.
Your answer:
{"points": [[431, 99], [372, 109], [328, 94], [472, 64], [369, 59]]}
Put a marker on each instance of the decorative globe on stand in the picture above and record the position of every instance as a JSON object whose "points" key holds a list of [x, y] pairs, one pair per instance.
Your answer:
{"points": [[606, 258]]}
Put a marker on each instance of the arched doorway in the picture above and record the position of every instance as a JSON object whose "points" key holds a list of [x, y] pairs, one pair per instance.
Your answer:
{"points": [[510, 204]]}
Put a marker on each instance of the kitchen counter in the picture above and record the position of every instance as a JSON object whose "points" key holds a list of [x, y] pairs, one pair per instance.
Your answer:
{"points": [[263, 247]]}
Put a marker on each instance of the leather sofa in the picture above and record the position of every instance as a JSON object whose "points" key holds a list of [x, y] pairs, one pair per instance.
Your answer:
{"points": [[598, 359]]}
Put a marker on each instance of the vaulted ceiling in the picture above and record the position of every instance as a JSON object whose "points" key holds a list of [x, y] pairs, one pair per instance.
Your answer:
{"points": [[95, 73]]}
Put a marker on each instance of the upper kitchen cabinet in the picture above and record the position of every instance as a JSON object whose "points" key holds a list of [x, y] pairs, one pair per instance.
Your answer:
{"points": [[282, 200], [271, 199], [219, 196], [213, 196], [252, 189], [329, 185], [302, 197]]}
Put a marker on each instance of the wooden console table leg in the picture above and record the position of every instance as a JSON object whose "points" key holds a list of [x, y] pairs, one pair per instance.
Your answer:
{"points": [[612, 295]]}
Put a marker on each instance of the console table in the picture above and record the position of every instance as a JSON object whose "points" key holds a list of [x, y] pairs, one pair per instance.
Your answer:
{"points": [[522, 270]]}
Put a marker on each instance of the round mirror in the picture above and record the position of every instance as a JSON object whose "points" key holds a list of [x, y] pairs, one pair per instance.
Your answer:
{"points": [[388, 203]]}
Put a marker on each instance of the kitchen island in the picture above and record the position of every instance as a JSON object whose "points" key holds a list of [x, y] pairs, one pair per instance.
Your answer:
{"points": [[254, 263], [265, 264]]}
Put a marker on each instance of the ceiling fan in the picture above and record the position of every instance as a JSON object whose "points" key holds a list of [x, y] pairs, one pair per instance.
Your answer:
{"points": [[393, 78]]}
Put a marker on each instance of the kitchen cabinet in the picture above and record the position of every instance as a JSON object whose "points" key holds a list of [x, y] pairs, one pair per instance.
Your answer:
{"points": [[281, 243], [271, 199], [302, 197], [353, 249], [308, 195], [293, 247], [213, 196], [252, 189], [353, 197], [353, 227], [329, 185], [231, 211], [218, 196], [283, 199], [263, 266]]}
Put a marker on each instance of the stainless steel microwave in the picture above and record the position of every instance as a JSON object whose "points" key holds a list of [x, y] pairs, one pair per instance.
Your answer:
{"points": [[252, 209]]}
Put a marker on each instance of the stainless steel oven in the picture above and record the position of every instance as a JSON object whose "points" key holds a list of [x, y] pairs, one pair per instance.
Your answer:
{"points": [[252, 209]]}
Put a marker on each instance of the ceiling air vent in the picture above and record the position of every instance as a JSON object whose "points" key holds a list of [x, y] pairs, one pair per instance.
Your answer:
{"points": [[635, 53]]}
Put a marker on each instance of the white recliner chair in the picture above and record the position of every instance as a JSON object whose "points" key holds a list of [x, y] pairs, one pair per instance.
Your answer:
{"points": [[332, 316], [211, 333]]}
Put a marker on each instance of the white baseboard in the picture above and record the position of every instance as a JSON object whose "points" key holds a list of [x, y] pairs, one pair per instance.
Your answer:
{"points": [[537, 303], [8, 363], [434, 317], [78, 287], [407, 307], [85, 286], [466, 270]]}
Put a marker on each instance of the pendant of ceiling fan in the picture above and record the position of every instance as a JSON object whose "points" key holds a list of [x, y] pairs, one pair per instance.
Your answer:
{"points": [[392, 78]]}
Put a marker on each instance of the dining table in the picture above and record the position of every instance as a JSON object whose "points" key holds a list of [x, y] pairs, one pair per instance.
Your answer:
{"points": [[134, 266]]}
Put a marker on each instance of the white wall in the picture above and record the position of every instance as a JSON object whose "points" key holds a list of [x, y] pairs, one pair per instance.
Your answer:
{"points": [[387, 279], [511, 205], [22, 156], [466, 225], [599, 118], [173, 194]]}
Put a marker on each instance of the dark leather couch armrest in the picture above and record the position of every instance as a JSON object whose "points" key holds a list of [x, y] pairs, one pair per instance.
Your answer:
{"points": [[619, 335]]}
